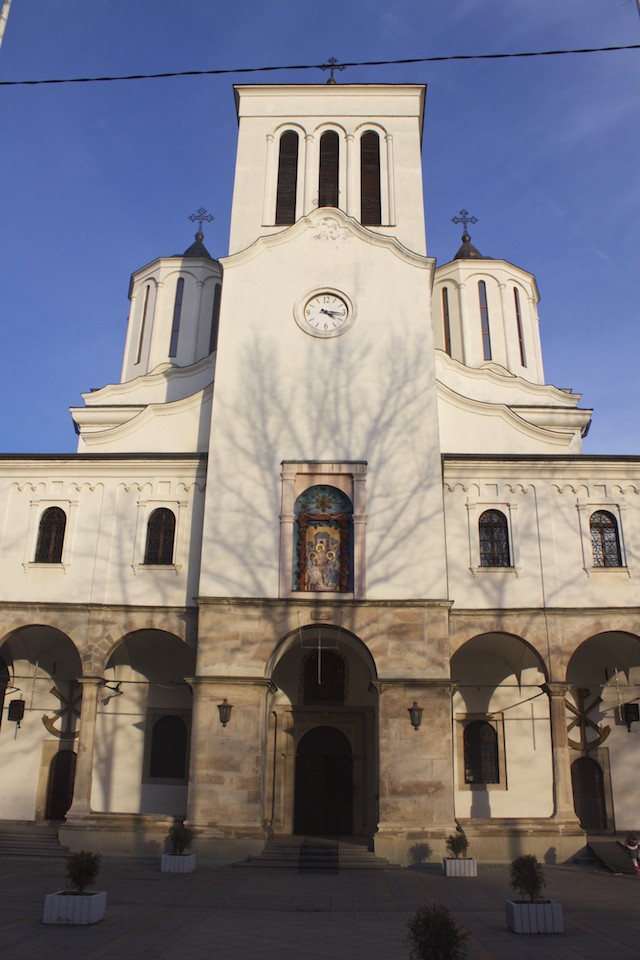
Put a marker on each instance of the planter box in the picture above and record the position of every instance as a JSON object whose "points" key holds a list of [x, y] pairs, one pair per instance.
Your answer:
{"points": [[460, 867], [76, 909], [178, 863], [545, 917]]}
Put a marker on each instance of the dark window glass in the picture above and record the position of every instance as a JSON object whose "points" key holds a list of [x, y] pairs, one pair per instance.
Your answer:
{"points": [[370, 203], [51, 536], [177, 311], [160, 533], [484, 318], [328, 173], [494, 539], [143, 323], [287, 178], [168, 756], [324, 678], [523, 356], [215, 318], [446, 320], [605, 541], [481, 753]]}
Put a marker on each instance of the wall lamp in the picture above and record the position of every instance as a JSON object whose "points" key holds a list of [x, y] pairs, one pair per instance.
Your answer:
{"points": [[415, 715], [225, 709]]}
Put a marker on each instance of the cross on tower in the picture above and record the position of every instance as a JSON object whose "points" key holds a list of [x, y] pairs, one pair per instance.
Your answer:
{"points": [[332, 65], [201, 216], [464, 218]]}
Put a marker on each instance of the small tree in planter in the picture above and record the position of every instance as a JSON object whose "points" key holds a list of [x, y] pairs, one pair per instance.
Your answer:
{"points": [[534, 914], [181, 838], [459, 864], [434, 934], [75, 905]]}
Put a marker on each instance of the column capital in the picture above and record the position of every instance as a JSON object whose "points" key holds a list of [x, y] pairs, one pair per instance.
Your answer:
{"points": [[555, 688]]}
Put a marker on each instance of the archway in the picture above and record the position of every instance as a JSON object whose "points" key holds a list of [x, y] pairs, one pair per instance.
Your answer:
{"points": [[588, 793], [324, 783]]}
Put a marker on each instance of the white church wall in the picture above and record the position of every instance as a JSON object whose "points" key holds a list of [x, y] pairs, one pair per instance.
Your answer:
{"points": [[282, 394]]}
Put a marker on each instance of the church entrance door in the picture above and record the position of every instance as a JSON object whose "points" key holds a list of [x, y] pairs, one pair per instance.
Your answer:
{"points": [[588, 793], [324, 783], [62, 771]]}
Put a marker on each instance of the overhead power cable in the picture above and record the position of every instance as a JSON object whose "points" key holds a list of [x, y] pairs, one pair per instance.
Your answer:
{"points": [[320, 66]]}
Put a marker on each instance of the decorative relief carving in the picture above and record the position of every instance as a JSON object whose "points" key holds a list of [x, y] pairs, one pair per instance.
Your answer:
{"points": [[329, 229]]}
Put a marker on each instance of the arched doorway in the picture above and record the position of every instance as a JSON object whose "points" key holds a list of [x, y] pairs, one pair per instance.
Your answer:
{"points": [[324, 783], [588, 793], [62, 771]]}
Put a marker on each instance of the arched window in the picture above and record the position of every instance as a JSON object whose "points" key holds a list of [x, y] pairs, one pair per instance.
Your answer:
{"points": [[51, 536], [481, 763], [323, 677], [370, 202], [323, 541], [494, 539], [215, 318], [523, 355], [287, 178], [177, 311], [446, 320], [143, 322], [328, 170], [168, 754], [160, 535], [484, 320], [605, 541]]}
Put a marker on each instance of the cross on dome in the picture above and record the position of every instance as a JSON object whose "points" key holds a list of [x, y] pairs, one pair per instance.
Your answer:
{"points": [[202, 215]]}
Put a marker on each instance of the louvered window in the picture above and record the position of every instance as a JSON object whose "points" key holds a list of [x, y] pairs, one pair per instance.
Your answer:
{"points": [[328, 172], [287, 178], [370, 203]]}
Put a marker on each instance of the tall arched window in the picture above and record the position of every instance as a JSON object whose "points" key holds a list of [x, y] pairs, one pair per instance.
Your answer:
{"points": [[446, 320], [484, 320], [605, 540], [323, 677], [323, 542], [523, 355], [143, 322], [51, 536], [370, 201], [160, 535], [287, 178], [168, 754], [481, 763], [215, 318], [494, 539], [328, 170], [177, 311]]}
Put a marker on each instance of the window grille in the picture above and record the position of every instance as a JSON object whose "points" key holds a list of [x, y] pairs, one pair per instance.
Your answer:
{"points": [[481, 753], [605, 541], [51, 536], [160, 536], [494, 539]]}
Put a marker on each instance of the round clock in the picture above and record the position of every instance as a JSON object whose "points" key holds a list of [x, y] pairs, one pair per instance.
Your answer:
{"points": [[324, 313]]}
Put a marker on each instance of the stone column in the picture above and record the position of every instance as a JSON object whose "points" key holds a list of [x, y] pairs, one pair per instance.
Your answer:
{"points": [[561, 753], [86, 740], [416, 767], [227, 776]]}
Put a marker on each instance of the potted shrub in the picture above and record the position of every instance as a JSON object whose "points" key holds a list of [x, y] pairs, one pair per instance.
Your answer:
{"points": [[459, 864], [532, 913], [76, 905], [434, 934], [181, 838]]}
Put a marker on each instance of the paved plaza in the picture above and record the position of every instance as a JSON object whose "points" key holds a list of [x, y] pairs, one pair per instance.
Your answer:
{"points": [[263, 913]]}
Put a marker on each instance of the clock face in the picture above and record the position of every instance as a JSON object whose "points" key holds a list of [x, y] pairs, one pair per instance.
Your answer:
{"points": [[324, 314]]}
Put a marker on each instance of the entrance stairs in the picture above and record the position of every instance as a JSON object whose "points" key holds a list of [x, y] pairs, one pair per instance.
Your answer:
{"points": [[318, 855], [24, 840]]}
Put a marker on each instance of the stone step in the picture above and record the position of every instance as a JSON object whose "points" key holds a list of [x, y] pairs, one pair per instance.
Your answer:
{"points": [[317, 854], [33, 841]]}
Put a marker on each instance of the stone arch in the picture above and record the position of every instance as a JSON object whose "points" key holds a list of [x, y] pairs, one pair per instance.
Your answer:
{"points": [[499, 678]]}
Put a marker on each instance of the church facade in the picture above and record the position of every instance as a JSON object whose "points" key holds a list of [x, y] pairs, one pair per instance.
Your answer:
{"points": [[329, 558]]}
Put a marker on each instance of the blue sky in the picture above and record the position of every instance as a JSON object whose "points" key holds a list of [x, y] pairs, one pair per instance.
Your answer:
{"points": [[99, 179]]}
